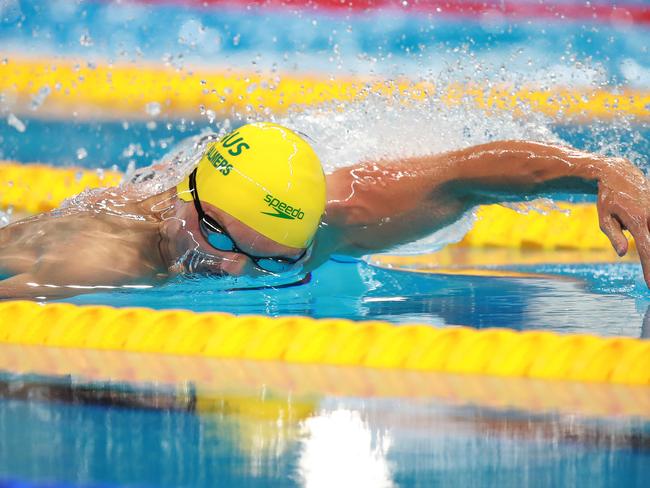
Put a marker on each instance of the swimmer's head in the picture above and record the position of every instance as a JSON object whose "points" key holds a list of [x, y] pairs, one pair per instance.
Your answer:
{"points": [[265, 176]]}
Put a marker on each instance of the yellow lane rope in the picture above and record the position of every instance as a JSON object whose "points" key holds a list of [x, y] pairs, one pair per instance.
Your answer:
{"points": [[569, 226], [76, 87], [480, 261], [461, 350], [231, 378], [37, 188]]}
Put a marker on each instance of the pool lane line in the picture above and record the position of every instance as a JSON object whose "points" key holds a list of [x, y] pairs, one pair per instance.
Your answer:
{"points": [[34, 188], [625, 13], [497, 260], [65, 87], [337, 342]]}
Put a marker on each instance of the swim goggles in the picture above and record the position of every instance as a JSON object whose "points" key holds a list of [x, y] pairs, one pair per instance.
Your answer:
{"points": [[219, 239]]}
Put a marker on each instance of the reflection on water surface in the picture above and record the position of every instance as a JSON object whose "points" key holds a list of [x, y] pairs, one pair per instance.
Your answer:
{"points": [[58, 429]]}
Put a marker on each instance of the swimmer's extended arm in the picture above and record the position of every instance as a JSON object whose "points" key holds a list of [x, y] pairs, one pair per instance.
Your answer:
{"points": [[373, 206]]}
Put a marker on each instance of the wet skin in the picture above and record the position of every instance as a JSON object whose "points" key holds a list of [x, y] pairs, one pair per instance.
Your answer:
{"points": [[117, 239]]}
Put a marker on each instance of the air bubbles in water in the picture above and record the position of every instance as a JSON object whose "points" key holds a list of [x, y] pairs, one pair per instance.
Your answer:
{"points": [[81, 153]]}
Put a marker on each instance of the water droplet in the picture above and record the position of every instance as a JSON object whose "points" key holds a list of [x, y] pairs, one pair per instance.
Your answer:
{"points": [[16, 123], [85, 40], [82, 153], [39, 98], [153, 109]]}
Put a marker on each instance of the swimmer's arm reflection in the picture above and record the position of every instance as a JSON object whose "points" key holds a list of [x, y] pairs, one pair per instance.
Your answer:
{"points": [[378, 205]]}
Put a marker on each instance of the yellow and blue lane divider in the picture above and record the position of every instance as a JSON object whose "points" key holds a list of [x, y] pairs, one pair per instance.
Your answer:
{"points": [[149, 90], [337, 342]]}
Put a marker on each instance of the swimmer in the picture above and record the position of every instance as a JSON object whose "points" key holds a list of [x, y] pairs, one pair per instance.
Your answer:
{"points": [[258, 204]]}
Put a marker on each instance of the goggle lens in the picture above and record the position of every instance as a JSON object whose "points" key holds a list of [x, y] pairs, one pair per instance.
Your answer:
{"points": [[223, 242], [273, 265], [216, 238]]}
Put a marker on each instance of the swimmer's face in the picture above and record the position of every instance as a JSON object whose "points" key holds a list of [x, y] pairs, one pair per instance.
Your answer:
{"points": [[189, 240]]}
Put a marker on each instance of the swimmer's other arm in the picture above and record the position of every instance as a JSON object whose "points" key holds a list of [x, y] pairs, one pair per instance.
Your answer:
{"points": [[374, 206]]}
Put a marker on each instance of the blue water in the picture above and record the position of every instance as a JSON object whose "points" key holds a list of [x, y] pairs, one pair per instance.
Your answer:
{"points": [[582, 298], [55, 431]]}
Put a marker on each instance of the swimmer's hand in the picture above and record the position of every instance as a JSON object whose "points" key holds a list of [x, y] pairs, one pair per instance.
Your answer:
{"points": [[624, 204]]}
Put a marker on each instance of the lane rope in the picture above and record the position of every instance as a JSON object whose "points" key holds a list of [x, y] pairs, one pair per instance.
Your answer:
{"points": [[152, 91], [462, 350], [35, 188]]}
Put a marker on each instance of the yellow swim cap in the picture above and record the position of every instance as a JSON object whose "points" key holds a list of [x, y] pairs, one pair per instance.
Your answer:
{"points": [[267, 177]]}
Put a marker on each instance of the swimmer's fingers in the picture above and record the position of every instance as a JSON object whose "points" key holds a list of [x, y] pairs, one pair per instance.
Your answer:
{"points": [[639, 231], [612, 228]]}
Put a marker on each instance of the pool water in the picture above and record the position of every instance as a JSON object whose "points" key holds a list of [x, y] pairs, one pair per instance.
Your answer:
{"points": [[268, 424], [576, 298]]}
